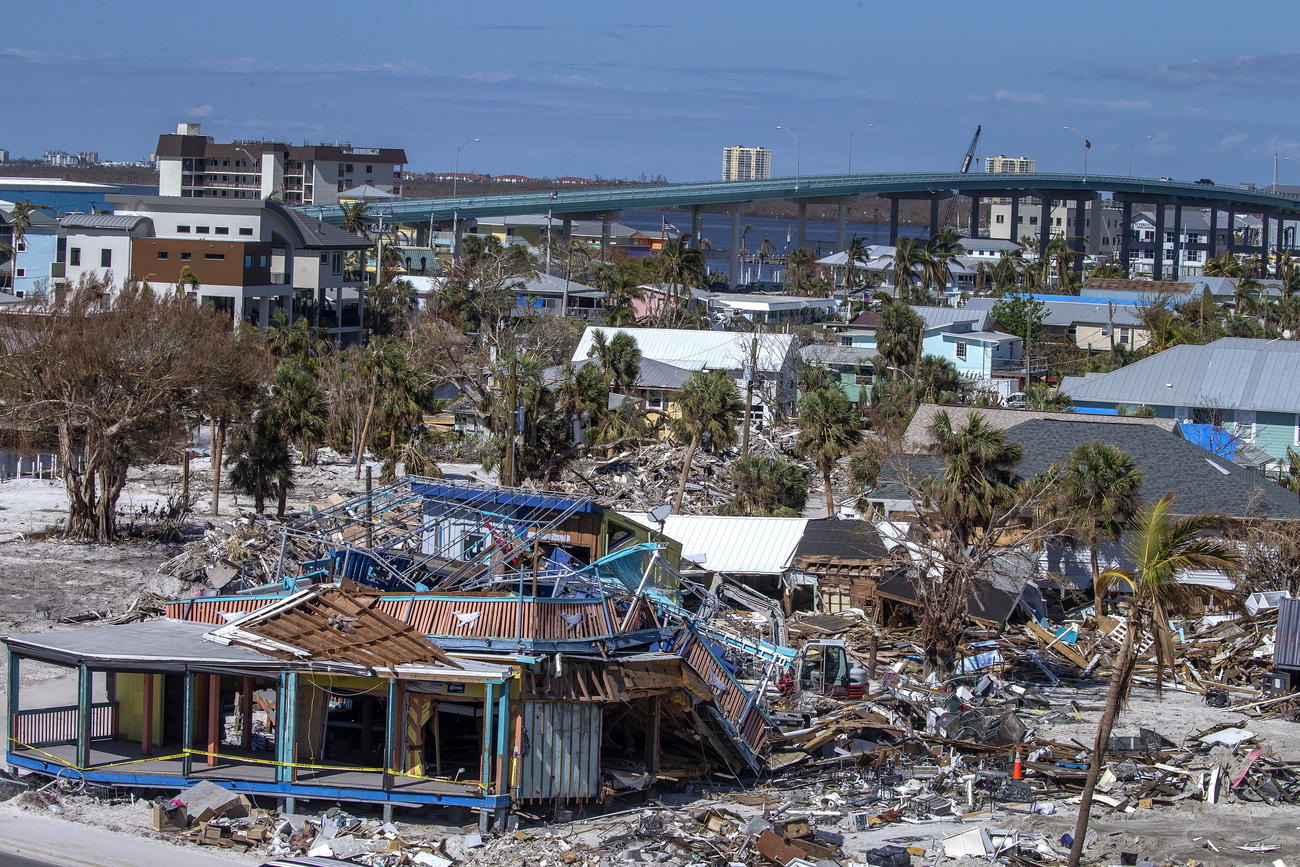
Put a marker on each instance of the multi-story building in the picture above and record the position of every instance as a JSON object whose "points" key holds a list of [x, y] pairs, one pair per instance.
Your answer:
{"points": [[1005, 165], [248, 258], [740, 163], [88, 158], [1185, 248], [1102, 223], [191, 164], [4, 155]]}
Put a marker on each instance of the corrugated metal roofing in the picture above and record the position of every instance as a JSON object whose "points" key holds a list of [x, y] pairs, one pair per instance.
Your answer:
{"points": [[699, 350], [1286, 640], [1232, 373], [124, 222], [741, 546], [1067, 313]]}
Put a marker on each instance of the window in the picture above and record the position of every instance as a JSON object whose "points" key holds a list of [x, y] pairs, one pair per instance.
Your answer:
{"points": [[106, 258], [223, 230], [1125, 335], [1033, 221], [1001, 219], [1245, 425], [340, 170], [20, 272], [1169, 255], [182, 230], [1072, 332], [349, 167], [185, 257], [324, 258], [341, 186], [261, 261], [1169, 237], [162, 254], [961, 350], [1057, 221], [1020, 218], [74, 256], [22, 246], [202, 230], [248, 261], [245, 231], [217, 256], [370, 170], [337, 266]]}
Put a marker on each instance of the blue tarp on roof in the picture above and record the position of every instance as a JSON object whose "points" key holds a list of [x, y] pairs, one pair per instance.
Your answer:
{"points": [[1095, 410], [1211, 438]]}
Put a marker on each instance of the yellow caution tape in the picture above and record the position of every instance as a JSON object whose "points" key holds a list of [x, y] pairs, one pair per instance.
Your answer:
{"points": [[245, 759]]}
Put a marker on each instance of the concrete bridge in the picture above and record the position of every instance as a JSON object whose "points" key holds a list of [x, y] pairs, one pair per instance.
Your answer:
{"points": [[733, 197]]}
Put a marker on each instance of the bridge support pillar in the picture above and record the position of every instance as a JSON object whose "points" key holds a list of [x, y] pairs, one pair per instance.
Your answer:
{"points": [[733, 254], [1212, 242], [841, 225], [1232, 231], [1176, 269], [801, 226], [1158, 257], [1078, 239], [1126, 235], [893, 222], [604, 237], [975, 217], [1278, 247], [1263, 245], [697, 226], [566, 232], [1044, 225]]}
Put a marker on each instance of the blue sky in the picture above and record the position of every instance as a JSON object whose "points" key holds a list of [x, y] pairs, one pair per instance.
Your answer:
{"points": [[622, 89]]}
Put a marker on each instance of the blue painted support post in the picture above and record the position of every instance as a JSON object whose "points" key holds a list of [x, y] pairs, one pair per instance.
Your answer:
{"points": [[286, 725], [1213, 249], [391, 732], [187, 724], [84, 680], [488, 734], [1045, 225], [13, 705], [503, 739]]}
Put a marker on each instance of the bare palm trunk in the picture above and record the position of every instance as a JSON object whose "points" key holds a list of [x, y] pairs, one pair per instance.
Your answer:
{"points": [[365, 433], [686, 471], [830, 495], [218, 445], [1118, 676], [1098, 597]]}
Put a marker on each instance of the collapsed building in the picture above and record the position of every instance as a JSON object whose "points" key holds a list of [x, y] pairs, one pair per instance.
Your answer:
{"points": [[428, 643]]}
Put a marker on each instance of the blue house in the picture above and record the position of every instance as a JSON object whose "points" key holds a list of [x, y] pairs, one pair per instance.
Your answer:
{"points": [[28, 271], [964, 337]]}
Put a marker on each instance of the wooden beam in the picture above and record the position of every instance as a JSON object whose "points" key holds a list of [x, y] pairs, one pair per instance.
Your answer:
{"points": [[214, 718]]}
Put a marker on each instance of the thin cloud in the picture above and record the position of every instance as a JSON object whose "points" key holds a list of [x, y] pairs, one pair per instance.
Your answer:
{"points": [[762, 71], [1005, 95], [1247, 70]]}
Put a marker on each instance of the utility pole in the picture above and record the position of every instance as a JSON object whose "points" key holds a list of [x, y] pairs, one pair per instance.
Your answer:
{"points": [[751, 372], [512, 415]]}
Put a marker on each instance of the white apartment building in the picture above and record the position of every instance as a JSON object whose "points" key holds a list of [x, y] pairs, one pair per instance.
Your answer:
{"points": [[245, 257], [740, 163], [1005, 165], [1177, 248], [1102, 223], [191, 164]]}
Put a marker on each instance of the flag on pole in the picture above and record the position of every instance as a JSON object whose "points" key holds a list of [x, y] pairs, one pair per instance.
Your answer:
{"points": [[1087, 144]]}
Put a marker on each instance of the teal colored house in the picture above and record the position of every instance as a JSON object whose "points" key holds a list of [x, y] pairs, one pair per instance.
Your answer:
{"points": [[1249, 388], [964, 337]]}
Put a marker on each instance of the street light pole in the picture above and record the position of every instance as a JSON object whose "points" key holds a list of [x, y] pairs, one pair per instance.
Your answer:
{"points": [[455, 214], [798, 155], [851, 135], [1087, 146], [1130, 152]]}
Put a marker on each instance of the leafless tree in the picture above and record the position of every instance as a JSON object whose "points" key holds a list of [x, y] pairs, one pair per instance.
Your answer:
{"points": [[109, 376]]}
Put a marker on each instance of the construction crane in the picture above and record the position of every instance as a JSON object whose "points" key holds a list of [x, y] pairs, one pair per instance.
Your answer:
{"points": [[970, 151]]}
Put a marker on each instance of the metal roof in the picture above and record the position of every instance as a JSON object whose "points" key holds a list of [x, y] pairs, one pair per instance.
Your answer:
{"points": [[651, 374], [735, 546], [942, 317], [123, 222], [155, 641], [1059, 313], [698, 350], [1230, 373]]}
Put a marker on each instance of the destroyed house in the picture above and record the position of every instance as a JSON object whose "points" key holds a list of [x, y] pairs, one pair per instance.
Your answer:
{"points": [[432, 642], [841, 563]]}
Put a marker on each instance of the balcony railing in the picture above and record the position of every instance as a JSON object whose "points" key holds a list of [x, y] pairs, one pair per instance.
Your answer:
{"points": [[51, 726], [278, 278]]}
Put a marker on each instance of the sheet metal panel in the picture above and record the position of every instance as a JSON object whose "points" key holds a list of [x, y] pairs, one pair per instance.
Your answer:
{"points": [[563, 755], [1286, 641]]}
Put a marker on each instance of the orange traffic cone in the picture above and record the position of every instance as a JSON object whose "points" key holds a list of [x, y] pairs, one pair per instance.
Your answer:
{"points": [[1017, 768]]}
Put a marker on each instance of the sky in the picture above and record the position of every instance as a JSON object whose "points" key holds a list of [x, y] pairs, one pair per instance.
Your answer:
{"points": [[1189, 90]]}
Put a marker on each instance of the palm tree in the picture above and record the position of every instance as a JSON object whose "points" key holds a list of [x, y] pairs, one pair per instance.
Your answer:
{"points": [[1107, 269], [939, 253], [1006, 273], [619, 358], [357, 219], [708, 405], [291, 341], [767, 487], [898, 339], [260, 463], [1225, 265], [618, 280], [682, 268], [1097, 495], [937, 380], [1060, 255], [20, 220], [301, 406], [854, 254], [909, 255], [828, 430], [1161, 548]]}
